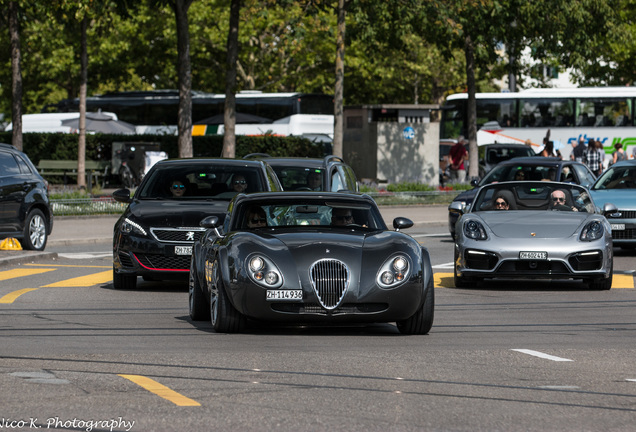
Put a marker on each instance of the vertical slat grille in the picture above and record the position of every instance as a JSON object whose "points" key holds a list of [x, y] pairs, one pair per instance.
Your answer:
{"points": [[330, 279]]}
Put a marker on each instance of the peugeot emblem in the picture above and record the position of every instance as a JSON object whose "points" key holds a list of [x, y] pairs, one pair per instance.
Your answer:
{"points": [[190, 236], [327, 251]]}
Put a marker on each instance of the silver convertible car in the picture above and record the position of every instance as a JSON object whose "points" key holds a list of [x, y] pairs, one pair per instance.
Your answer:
{"points": [[534, 230], [309, 257]]}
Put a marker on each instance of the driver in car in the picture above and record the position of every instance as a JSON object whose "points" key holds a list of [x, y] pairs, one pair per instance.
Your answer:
{"points": [[341, 217]]}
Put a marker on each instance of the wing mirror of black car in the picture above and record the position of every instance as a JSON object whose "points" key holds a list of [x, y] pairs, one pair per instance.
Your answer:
{"points": [[212, 222], [122, 195], [609, 208], [402, 223], [474, 182]]}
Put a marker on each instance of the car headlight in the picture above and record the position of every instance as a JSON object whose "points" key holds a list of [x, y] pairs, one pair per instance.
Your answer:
{"points": [[129, 226], [475, 230], [263, 271], [394, 271], [592, 231]]}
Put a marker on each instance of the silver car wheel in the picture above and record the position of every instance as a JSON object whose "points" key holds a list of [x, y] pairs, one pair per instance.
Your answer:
{"points": [[37, 231]]}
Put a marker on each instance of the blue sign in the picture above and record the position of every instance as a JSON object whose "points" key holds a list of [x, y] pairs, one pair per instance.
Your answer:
{"points": [[409, 133]]}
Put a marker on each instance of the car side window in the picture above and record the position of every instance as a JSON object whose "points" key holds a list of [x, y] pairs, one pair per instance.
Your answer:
{"points": [[336, 181], [586, 178], [8, 164], [24, 167]]}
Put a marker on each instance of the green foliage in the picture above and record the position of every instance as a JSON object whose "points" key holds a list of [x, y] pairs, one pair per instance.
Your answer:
{"points": [[409, 187]]}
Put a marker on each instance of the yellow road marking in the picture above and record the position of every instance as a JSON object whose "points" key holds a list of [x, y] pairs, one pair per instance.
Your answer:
{"points": [[21, 272], [623, 281], [9, 298], [161, 390], [619, 281], [84, 281]]}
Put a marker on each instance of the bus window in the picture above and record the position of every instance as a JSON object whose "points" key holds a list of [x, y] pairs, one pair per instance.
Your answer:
{"points": [[603, 112], [503, 111], [546, 112]]}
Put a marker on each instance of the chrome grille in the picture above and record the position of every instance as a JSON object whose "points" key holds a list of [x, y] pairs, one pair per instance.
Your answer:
{"points": [[178, 235], [330, 280], [624, 214]]}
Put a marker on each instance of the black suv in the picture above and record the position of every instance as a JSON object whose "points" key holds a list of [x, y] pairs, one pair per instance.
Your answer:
{"points": [[330, 173], [25, 211], [154, 236]]}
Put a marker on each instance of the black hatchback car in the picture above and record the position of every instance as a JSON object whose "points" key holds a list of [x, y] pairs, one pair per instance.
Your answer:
{"points": [[25, 211], [154, 236], [328, 174], [525, 168]]}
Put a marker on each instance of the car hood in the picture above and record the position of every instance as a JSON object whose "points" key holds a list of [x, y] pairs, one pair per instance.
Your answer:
{"points": [[544, 224], [175, 213], [621, 198]]}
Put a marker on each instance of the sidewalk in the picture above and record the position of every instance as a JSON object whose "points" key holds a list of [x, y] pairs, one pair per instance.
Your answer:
{"points": [[70, 230]]}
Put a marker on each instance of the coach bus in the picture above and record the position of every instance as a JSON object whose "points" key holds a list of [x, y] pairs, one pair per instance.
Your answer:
{"points": [[257, 113], [605, 114]]}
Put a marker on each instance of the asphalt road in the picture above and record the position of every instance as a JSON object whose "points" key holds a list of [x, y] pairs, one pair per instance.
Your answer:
{"points": [[77, 354]]}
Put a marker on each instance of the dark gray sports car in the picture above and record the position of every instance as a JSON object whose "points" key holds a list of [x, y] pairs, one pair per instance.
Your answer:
{"points": [[308, 257]]}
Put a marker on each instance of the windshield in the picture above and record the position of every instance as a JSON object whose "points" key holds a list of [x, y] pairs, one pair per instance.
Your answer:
{"points": [[533, 196], [518, 172], [306, 213], [199, 181], [617, 177], [299, 178]]}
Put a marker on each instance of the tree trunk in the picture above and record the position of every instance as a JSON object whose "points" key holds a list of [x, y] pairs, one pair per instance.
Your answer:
{"points": [[16, 75], [184, 121], [473, 154], [339, 87], [229, 116], [81, 145]]}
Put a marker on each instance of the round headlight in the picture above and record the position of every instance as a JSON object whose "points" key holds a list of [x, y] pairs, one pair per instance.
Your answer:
{"points": [[257, 264], [271, 278], [387, 278], [399, 263]]}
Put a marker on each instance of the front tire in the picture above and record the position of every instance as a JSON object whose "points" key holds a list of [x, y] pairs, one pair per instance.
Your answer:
{"points": [[461, 281], [35, 235], [124, 281], [602, 284], [422, 320], [223, 316], [199, 310]]}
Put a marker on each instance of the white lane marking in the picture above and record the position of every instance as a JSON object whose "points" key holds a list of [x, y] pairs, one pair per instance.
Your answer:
{"points": [[629, 379], [541, 355], [444, 266], [431, 235], [85, 255]]}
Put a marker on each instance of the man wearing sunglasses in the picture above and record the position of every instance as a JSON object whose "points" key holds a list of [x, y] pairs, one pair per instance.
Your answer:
{"points": [[558, 201], [341, 217], [239, 184]]}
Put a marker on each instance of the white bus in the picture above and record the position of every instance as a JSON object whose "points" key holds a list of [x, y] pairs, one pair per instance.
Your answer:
{"points": [[605, 114], [257, 113]]}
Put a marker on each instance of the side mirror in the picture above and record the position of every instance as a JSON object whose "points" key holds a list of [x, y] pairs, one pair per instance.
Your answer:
{"points": [[609, 208], [212, 222], [402, 223], [122, 196], [474, 182]]}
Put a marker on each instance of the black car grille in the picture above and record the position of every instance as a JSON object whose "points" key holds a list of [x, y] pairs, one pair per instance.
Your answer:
{"points": [[125, 259], [330, 280], [178, 235], [628, 234], [162, 262]]}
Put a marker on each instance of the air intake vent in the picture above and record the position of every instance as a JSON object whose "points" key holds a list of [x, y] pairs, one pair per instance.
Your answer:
{"points": [[330, 280]]}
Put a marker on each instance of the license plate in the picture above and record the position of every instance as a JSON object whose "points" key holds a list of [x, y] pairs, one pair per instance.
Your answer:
{"points": [[183, 250], [284, 294], [533, 255], [618, 227]]}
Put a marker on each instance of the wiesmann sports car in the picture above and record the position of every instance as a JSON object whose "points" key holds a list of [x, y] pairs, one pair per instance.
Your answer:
{"points": [[538, 230], [308, 257]]}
